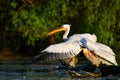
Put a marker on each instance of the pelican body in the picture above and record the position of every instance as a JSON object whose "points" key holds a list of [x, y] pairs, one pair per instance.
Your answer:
{"points": [[95, 52]]}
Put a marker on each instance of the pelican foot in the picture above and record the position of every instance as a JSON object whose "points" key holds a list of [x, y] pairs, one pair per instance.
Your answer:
{"points": [[84, 74]]}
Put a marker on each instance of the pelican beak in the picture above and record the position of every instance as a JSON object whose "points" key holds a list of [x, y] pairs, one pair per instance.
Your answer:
{"points": [[56, 30]]}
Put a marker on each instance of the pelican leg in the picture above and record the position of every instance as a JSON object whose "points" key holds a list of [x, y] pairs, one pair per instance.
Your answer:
{"points": [[74, 61], [71, 61]]}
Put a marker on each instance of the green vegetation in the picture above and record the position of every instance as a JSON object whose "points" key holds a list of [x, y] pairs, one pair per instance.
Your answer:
{"points": [[24, 24]]}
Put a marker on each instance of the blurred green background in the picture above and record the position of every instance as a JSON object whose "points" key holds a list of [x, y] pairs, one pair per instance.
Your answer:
{"points": [[24, 24]]}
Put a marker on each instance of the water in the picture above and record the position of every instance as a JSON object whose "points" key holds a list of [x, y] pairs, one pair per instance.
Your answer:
{"points": [[23, 69]]}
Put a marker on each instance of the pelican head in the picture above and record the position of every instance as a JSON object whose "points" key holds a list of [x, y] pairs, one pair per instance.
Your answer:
{"points": [[65, 27]]}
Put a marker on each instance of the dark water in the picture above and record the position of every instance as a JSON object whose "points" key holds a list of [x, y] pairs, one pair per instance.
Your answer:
{"points": [[23, 69]]}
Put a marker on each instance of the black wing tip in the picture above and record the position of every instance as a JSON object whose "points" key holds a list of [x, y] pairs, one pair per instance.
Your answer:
{"points": [[34, 59], [45, 56], [38, 57]]}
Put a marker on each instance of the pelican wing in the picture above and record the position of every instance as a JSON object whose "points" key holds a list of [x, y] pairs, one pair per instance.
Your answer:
{"points": [[60, 51], [106, 53], [103, 51], [105, 47]]}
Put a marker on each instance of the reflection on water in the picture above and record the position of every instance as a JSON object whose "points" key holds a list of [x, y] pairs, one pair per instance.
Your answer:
{"points": [[23, 69]]}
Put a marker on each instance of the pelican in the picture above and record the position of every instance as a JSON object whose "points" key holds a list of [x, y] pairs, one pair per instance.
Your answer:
{"points": [[97, 53]]}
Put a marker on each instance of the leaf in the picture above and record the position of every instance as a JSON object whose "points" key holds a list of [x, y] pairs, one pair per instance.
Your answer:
{"points": [[14, 4]]}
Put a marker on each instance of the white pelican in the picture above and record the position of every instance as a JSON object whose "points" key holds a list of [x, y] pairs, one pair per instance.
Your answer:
{"points": [[95, 52]]}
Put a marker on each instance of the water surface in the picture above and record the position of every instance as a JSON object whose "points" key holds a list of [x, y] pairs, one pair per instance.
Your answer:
{"points": [[23, 69]]}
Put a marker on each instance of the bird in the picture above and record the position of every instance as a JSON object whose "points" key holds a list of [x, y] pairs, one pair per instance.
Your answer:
{"points": [[97, 53]]}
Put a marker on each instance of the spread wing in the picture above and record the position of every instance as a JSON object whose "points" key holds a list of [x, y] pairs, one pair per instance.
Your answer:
{"points": [[103, 51], [106, 53], [60, 51]]}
